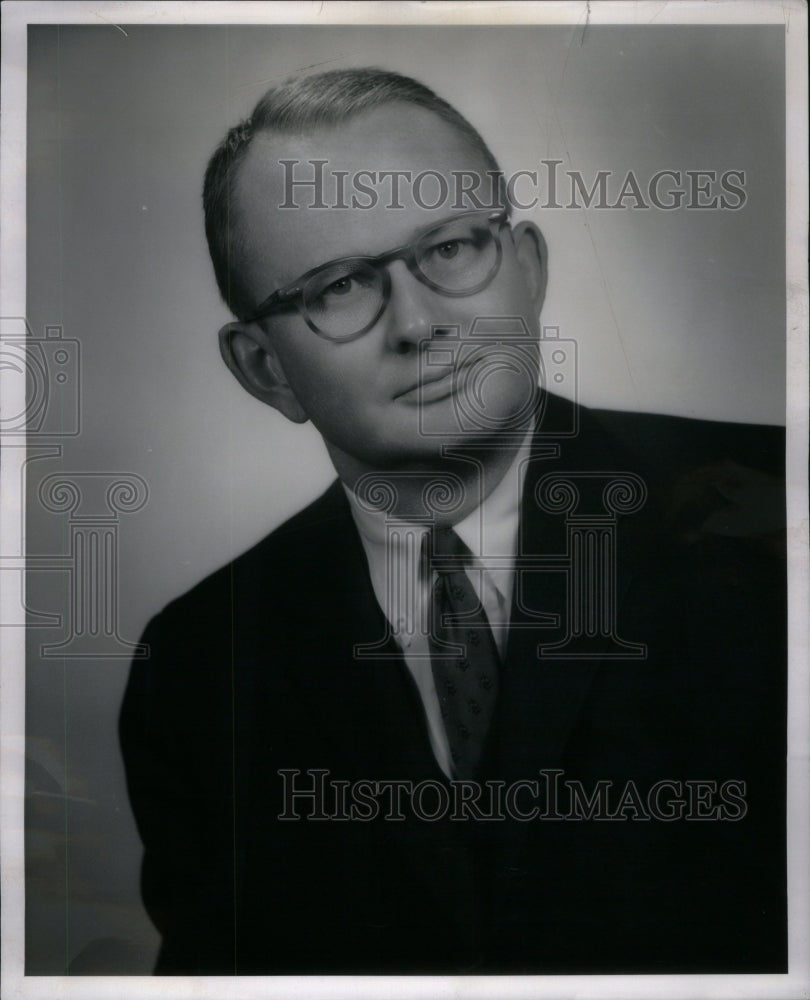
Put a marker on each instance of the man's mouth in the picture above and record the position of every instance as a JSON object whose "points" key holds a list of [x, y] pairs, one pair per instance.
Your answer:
{"points": [[437, 383]]}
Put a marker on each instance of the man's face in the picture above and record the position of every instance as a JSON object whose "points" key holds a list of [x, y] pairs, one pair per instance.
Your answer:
{"points": [[376, 399]]}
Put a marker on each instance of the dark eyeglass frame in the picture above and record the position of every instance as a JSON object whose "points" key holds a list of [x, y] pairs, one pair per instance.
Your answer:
{"points": [[292, 295]]}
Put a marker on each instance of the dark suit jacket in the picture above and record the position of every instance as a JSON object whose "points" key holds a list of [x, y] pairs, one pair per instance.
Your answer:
{"points": [[253, 672]]}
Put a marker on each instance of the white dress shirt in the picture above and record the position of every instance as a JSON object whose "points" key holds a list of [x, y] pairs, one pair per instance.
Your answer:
{"points": [[393, 549]]}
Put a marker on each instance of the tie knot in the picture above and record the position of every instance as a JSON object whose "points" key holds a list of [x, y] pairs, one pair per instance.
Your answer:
{"points": [[446, 543], [443, 552]]}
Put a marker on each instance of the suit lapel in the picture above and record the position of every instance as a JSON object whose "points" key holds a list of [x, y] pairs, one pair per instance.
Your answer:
{"points": [[541, 697], [398, 748], [359, 685]]}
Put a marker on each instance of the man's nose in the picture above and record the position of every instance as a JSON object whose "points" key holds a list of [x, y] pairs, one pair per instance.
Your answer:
{"points": [[414, 312]]}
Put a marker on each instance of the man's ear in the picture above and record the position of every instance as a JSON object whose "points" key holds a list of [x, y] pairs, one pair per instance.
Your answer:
{"points": [[530, 248], [249, 354]]}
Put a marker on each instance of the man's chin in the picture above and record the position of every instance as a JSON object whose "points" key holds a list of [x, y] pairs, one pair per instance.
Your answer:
{"points": [[476, 419], [422, 439]]}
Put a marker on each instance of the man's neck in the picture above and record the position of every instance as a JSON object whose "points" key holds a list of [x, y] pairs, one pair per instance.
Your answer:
{"points": [[444, 490]]}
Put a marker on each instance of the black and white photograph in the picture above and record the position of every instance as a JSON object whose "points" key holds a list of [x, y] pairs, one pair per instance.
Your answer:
{"points": [[404, 491]]}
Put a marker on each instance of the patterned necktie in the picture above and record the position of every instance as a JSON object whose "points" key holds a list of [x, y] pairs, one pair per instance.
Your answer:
{"points": [[463, 653]]}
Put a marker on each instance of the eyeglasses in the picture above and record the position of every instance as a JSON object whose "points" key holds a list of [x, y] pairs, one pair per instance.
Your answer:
{"points": [[344, 298]]}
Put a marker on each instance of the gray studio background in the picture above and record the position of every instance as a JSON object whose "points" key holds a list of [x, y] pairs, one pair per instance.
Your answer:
{"points": [[677, 312]]}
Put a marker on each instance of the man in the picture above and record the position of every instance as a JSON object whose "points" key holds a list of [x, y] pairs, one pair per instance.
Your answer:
{"points": [[509, 696]]}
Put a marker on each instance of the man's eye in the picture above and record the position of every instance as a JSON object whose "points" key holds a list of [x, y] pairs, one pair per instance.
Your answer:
{"points": [[342, 291], [340, 287], [448, 250]]}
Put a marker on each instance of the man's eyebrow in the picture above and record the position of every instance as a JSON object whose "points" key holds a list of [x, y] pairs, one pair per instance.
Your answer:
{"points": [[413, 236]]}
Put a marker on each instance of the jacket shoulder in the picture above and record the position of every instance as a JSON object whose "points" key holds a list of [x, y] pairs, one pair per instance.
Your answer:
{"points": [[668, 445], [245, 614], [297, 547], [718, 488]]}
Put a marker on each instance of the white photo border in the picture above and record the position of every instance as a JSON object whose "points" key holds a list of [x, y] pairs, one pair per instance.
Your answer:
{"points": [[793, 13]]}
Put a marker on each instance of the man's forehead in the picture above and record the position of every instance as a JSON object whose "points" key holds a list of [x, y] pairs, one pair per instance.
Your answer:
{"points": [[361, 186]]}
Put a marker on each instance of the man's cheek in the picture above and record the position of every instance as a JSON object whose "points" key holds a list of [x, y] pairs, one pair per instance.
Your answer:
{"points": [[332, 405]]}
